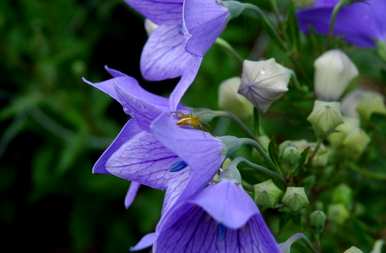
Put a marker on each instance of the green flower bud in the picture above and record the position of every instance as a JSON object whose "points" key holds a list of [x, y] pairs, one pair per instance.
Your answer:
{"points": [[267, 194], [333, 73], [349, 139], [370, 103], [322, 157], [342, 195], [338, 213], [318, 220], [295, 198], [290, 153], [362, 103], [230, 100], [337, 138], [353, 249], [325, 117]]}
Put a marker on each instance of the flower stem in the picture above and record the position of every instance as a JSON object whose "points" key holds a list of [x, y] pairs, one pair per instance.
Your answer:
{"points": [[263, 152], [225, 45], [259, 168], [335, 12], [237, 120], [271, 29], [367, 173]]}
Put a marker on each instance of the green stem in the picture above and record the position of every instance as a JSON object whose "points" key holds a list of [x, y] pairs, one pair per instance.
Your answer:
{"points": [[247, 186], [237, 120], [367, 173], [261, 150], [335, 12], [225, 45], [259, 168], [56, 129], [268, 23]]}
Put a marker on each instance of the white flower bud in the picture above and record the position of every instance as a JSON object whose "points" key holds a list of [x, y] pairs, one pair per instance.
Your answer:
{"points": [[230, 100], [333, 73], [353, 249], [325, 117], [263, 82], [363, 102], [150, 26]]}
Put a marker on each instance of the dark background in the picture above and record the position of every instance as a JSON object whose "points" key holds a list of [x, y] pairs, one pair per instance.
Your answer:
{"points": [[53, 127]]}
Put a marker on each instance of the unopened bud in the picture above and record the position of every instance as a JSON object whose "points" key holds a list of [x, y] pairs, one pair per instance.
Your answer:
{"points": [[150, 26], [230, 100], [377, 246], [325, 117], [295, 198], [267, 194], [333, 73], [370, 103], [318, 220], [353, 249], [338, 213], [263, 82], [342, 195], [290, 152], [349, 139]]}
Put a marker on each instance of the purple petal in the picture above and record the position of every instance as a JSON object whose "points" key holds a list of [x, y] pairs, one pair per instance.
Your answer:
{"points": [[145, 242], [184, 83], [144, 160], [114, 72], [227, 203], [192, 229], [356, 23], [130, 129], [131, 194], [201, 151], [175, 189], [164, 55], [144, 112], [329, 3], [204, 21], [128, 85], [378, 10], [159, 11]]}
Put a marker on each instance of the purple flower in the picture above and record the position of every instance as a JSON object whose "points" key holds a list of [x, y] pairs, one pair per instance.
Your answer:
{"points": [[152, 149], [361, 23], [221, 218], [186, 30]]}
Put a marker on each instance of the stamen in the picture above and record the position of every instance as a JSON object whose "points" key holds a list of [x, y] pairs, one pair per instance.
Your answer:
{"points": [[178, 166]]}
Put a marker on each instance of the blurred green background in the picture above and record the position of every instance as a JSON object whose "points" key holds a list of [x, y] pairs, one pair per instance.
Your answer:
{"points": [[53, 127]]}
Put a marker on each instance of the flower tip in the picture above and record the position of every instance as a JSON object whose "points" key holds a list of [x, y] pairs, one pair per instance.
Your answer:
{"points": [[86, 81]]}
